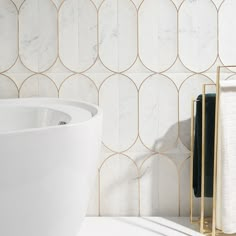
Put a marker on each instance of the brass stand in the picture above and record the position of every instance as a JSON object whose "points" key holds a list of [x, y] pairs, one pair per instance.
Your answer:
{"points": [[205, 223]]}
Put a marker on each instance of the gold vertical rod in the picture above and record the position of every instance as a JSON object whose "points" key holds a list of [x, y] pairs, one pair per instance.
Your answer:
{"points": [[203, 160], [215, 152], [191, 161]]}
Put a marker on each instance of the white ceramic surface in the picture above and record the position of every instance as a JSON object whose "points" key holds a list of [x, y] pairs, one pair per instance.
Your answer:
{"points": [[46, 169]]}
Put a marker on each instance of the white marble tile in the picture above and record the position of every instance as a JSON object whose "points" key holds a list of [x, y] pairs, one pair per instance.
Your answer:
{"points": [[118, 97], [8, 88], [158, 113], [158, 34], [18, 73], [78, 34], [227, 34], [8, 35], [119, 187], [38, 86], [118, 34], [38, 34], [79, 87], [198, 40], [159, 187], [190, 89], [58, 72]]}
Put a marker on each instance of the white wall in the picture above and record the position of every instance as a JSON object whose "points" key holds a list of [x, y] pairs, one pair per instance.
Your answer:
{"points": [[142, 62]]}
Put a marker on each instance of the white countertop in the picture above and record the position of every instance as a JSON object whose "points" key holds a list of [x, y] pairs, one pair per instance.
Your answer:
{"points": [[137, 226]]}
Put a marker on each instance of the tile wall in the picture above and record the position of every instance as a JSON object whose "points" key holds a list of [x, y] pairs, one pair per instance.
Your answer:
{"points": [[142, 61]]}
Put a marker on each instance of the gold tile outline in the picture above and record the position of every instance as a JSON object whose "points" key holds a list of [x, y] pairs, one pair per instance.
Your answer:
{"points": [[177, 43], [159, 155], [19, 55], [98, 27], [29, 77], [217, 52], [73, 76], [99, 178], [17, 40], [58, 40], [137, 90], [140, 87], [9, 78]]}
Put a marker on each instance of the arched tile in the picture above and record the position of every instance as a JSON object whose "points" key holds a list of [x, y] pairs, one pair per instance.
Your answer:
{"points": [[119, 187], [158, 113], [38, 85], [78, 34], [158, 34], [79, 87], [118, 97], [157, 199], [198, 40], [8, 88], [227, 34], [8, 35], [118, 34], [38, 34]]}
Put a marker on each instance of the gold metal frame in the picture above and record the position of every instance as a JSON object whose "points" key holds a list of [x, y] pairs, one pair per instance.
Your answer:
{"points": [[214, 231]]}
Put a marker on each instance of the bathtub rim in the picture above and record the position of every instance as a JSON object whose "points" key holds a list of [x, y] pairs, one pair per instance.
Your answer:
{"points": [[95, 111]]}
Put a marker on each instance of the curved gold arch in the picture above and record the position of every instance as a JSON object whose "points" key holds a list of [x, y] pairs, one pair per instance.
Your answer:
{"points": [[138, 49], [217, 52], [10, 79], [74, 75], [99, 178], [195, 74], [19, 56], [160, 155], [140, 87], [58, 40], [101, 85], [29, 77], [98, 37]]}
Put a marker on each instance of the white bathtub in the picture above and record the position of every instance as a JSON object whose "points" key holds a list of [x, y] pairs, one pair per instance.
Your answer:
{"points": [[46, 169]]}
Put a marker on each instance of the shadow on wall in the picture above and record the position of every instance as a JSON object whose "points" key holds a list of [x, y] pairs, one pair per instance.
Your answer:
{"points": [[169, 140], [152, 175]]}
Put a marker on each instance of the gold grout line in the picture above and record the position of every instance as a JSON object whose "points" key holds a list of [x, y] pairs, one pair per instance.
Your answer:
{"points": [[12, 81], [114, 155], [75, 76], [32, 76], [17, 40]]}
